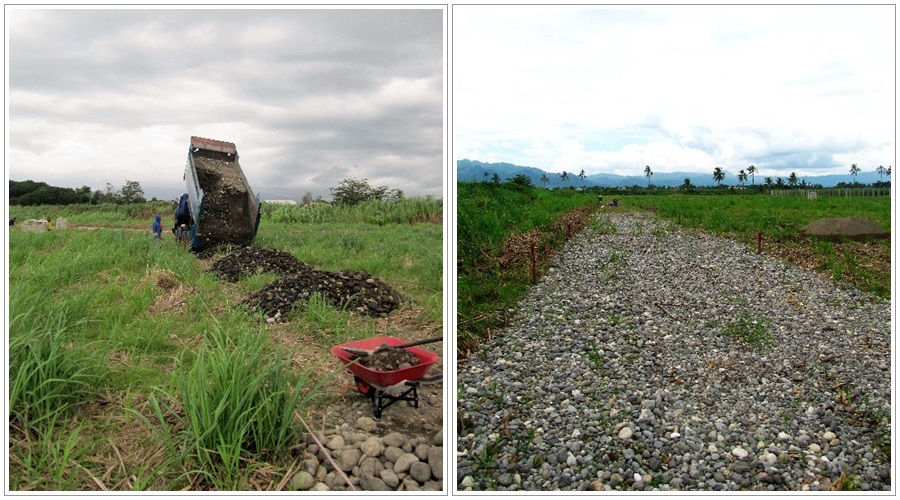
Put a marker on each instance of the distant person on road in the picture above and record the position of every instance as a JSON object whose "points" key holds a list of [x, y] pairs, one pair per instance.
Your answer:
{"points": [[47, 223], [157, 230]]}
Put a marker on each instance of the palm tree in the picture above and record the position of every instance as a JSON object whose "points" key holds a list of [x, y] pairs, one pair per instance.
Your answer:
{"points": [[880, 171], [544, 179], [485, 176], [564, 176], [742, 177], [792, 180], [495, 179], [768, 182], [718, 175], [752, 171], [853, 171], [581, 176], [648, 173], [779, 182]]}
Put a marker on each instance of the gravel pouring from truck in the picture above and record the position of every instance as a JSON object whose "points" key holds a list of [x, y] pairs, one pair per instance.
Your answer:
{"points": [[223, 207]]}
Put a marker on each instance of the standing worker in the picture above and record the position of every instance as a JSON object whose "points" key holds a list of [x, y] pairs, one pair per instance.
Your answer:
{"points": [[47, 223], [157, 230]]}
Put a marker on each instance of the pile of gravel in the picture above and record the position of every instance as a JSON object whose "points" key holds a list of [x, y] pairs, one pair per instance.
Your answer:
{"points": [[357, 291], [251, 260], [631, 365], [390, 360], [393, 462]]}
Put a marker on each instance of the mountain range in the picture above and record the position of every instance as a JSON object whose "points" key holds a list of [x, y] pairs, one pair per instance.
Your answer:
{"points": [[473, 170]]}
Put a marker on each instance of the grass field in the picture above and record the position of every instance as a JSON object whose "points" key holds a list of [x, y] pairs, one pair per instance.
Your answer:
{"points": [[775, 216], [130, 357], [487, 216]]}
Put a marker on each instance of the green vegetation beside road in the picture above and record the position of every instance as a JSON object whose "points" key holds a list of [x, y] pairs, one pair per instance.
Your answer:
{"points": [[488, 214], [774, 216]]}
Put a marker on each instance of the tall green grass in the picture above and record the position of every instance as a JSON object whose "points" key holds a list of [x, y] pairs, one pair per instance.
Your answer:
{"points": [[405, 211], [488, 214], [239, 400]]}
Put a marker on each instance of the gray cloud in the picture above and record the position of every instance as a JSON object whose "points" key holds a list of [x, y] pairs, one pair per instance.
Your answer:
{"points": [[309, 96]]}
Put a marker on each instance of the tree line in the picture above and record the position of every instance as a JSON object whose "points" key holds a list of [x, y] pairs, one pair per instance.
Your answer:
{"points": [[30, 192]]}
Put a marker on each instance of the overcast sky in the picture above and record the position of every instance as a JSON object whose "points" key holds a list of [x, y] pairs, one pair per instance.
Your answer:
{"points": [[807, 89], [308, 96]]}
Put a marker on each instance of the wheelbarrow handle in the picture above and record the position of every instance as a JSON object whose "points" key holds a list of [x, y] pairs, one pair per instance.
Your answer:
{"points": [[365, 352]]}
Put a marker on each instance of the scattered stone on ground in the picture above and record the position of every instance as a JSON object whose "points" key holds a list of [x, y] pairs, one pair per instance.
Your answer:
{"points": [[250, 260], [390, 360], [225, 207], [844, 227], [352, 448], [358, 291], [724, 366]]}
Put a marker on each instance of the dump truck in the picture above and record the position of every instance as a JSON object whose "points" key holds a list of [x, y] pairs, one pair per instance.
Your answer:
{"points": [[223, 209]]}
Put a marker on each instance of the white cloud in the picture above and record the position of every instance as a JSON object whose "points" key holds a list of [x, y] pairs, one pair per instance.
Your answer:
{"points": [[710, 85], [309, 96]]}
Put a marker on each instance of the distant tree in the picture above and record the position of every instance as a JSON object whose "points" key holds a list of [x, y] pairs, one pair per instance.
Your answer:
{"points": [[485, 176], [131, 192], [521, 179], [564, 176], [792, 180], [544, 179], [495, 178], [880, 171], [803, 183], [581, 176], [752, 171], [779, 182], [768, 182], [888, 171], [742, 177], [686, 185], [352, 191], [307, 198], [853, 171], [648, 173], [718, 175]]}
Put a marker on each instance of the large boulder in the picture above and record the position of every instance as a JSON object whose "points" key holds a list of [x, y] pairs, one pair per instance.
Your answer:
{"points": [[844, 227]]}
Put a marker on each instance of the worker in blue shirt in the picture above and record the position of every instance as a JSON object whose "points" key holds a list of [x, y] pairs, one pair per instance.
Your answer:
{"points": [[157, 230]]}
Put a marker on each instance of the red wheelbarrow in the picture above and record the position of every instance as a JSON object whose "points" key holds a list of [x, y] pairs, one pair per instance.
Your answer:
{"points": [[372, 383]]}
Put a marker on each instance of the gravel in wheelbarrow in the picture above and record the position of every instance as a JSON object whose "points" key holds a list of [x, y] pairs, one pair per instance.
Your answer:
{"points": [[389, 360], [385, 378]]}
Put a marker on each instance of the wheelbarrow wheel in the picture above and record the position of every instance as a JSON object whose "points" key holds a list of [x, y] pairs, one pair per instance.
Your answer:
{"points": [[362, 386]]}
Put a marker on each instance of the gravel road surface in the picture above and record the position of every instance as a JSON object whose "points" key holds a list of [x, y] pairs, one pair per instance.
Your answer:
{"points": [[657, 357]]}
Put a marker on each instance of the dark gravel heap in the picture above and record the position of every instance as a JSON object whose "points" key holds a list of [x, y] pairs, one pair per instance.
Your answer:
{"points": [[226, 204], [360, 292], [251, 260], [389, 360]]}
